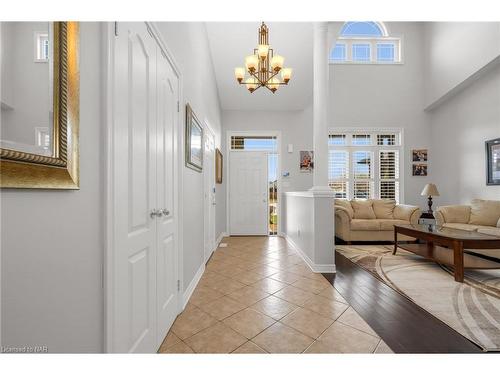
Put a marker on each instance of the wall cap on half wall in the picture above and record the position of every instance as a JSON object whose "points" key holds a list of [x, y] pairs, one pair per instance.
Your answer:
{"points": [[315, 192]]}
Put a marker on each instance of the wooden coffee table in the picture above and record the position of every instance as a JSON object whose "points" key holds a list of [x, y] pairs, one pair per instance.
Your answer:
{"points": [[449, 246]]}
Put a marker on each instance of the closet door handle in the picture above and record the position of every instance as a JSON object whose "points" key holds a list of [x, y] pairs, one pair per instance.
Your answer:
{"points": [[165, 212], [154, 213]]}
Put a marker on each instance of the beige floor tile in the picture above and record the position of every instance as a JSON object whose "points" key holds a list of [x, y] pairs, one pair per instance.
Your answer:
{"points": [[301, 269], [191, 321], [180, 348], [222, 308], [248, 277], [249, 322], [339, 338], [286, 277], [248, 295], [216, 339], [230, 270], [294, 295], [280, 338], [313, 286], [274, 307], [265, 270], [351, 318], [203, 295], [383, 348], [326, 307], [307, 322], [270, 285], [333, 294], [249, 348], [226, 285], [170, 340]]}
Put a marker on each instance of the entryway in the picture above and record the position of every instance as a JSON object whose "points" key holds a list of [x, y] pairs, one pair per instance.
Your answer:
{"points": [[253, 204]]}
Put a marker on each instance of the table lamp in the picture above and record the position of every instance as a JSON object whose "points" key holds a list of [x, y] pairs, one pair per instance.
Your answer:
{"points": [[430, 190]]}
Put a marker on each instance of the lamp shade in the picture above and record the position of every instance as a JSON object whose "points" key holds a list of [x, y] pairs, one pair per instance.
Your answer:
{"points": [[430, 190]]}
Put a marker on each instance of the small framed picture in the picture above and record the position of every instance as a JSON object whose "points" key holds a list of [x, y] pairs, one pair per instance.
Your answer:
{"points": [[419, 169], [306, 161], [194, 139], [493, 162], [218, 166], [419, 155]]}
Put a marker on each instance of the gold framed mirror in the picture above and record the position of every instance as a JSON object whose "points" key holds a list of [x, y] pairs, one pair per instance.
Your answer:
{"points": [[40, 105]]}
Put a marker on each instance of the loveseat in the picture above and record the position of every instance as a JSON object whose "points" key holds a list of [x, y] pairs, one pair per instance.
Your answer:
{"points": [[372, 219]]}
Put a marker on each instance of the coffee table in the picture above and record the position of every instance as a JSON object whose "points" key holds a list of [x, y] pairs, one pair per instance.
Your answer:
{"points": [[449, 246]]}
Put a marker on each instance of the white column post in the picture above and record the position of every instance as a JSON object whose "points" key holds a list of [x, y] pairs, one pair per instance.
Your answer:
{"points": [[320, 106]]}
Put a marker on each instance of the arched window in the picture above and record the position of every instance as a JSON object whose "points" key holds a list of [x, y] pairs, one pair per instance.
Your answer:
{"points": [[365, 43]]}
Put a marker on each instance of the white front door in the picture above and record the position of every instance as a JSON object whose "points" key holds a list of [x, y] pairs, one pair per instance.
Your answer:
{"points": [[134, 167], [209, 192], [248, 197], [167, 264]]}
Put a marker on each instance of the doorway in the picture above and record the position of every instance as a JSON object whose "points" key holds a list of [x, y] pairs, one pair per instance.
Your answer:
{"points": [[209, 192], [253, 184]]}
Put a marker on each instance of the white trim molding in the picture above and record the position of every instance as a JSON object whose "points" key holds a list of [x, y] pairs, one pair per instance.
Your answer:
{"points": [[317, 268], [192, 286]]}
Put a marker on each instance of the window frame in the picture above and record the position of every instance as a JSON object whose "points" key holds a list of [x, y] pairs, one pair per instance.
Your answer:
{"points": [[349, 41], [37, 36], [375, 151]]}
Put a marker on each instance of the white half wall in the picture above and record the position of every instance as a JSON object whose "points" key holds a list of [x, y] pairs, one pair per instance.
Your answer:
{"points": [[308, 225]]}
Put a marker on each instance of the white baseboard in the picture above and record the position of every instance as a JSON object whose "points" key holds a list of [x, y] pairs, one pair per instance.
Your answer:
{"points": [[192, 285], [317, 268], [219, 239]]}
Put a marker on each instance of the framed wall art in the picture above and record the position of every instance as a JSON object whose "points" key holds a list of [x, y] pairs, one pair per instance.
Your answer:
{"points": [[193, 143]]}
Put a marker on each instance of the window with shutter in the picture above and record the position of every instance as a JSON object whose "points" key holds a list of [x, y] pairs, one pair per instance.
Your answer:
{"points": [[365, 164]]}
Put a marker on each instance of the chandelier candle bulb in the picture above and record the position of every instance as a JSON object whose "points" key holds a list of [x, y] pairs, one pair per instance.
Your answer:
{"points": [[263, 51], [251, 63], [277, 62], [239, 73], [286, 74]]}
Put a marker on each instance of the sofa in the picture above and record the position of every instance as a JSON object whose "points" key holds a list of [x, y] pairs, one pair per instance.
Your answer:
{"points": [[481, 216], [372, 219]]}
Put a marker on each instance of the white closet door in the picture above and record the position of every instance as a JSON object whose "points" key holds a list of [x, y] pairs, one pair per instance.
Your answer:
{"points": [[166, 237], [209, 194], [134, 285], [248, 197]]}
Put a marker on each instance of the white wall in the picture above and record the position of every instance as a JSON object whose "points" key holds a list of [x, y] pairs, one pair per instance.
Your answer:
{"points": [[365, 96], [455, 51], [296, 129], [464, 121], [52, 241], [188, 43]]}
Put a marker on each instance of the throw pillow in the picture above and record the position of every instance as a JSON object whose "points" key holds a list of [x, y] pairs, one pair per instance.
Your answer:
{"points": [[484, 212], [384, 208], [363, 209]]}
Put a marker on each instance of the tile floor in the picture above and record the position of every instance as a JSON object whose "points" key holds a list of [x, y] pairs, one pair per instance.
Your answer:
{"points": [[257, 295]]}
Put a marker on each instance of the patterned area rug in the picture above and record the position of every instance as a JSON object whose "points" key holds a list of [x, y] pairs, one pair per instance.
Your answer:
{"points": [[471, 308]]}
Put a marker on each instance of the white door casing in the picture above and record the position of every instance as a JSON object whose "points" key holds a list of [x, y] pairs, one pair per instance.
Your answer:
{"points": [[143, 270], [248, 197], [167, 257], [209, 192]]}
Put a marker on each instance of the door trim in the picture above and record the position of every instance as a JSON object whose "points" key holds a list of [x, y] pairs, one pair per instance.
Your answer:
{"points": [[229, 134], [209, 129], [108, 36]]}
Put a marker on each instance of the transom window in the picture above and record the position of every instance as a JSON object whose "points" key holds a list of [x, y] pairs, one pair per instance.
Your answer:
{"points": [[365, 164], [365, 43]]}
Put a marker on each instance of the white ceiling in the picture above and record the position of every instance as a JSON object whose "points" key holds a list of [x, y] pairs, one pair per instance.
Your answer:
{"points": [[230, 42]]}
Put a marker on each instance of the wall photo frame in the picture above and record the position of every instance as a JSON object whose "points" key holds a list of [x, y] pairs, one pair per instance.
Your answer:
{"points": [[193, 141], [419, 170], [493, 162], [218, 166], [306, 161], [420, 155]]}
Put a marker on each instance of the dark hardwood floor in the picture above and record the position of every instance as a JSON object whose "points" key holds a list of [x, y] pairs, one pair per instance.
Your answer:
{"points": [[403, 325]]}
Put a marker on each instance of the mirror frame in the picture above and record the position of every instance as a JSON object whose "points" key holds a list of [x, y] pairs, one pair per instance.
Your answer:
{"points": [[20, 169]]}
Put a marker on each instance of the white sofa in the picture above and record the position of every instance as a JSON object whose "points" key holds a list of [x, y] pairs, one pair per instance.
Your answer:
{"points": [[372, 219]]}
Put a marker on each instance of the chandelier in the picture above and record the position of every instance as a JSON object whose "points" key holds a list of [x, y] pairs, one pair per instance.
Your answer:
{"points": [[263, 66]]}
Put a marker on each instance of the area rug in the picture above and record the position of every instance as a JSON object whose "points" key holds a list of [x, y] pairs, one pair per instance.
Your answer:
{"points": [[471, 308]]}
